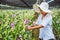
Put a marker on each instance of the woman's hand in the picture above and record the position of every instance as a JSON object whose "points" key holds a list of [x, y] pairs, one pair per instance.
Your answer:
{"points": [[29, 28]]}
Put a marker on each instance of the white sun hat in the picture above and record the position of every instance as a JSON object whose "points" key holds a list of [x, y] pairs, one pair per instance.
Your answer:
{"points": [[44, 6]]}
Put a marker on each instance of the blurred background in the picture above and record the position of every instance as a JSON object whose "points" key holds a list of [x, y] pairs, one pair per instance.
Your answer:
{"points": [[25, 3]]}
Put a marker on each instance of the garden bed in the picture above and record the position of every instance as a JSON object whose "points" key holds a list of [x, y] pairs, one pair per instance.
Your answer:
{"points": [[12, 24]]}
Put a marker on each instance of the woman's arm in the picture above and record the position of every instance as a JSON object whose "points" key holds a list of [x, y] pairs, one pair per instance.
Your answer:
{"points": [[34, 27]]}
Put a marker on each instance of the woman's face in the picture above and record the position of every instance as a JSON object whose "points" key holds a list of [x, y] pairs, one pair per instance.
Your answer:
{"points": [[42, 12]]}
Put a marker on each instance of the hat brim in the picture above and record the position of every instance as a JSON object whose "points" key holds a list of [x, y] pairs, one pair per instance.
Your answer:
{"points": [[44, 9]]}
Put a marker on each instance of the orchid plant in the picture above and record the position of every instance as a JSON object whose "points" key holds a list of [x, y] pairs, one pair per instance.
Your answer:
{"points": [[12, 25]]}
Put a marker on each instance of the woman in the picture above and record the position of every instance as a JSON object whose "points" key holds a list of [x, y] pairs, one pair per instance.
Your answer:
{"points": [[44, 22]]}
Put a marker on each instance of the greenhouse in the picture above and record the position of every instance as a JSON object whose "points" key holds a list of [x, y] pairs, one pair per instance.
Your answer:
{"points": [[15, 18]]}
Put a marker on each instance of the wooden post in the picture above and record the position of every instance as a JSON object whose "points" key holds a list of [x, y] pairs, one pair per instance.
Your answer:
{"points": [[35, 32]]}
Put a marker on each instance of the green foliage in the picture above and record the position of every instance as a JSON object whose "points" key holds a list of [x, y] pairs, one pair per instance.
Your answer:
{"points": [[56, 23], [12, 24]]}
